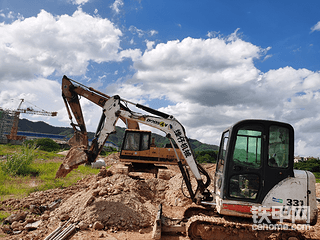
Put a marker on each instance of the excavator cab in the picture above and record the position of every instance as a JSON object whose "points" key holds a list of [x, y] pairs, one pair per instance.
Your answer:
{"points": [[135, 141], [254, 156], [255, 168], [139, 149]]}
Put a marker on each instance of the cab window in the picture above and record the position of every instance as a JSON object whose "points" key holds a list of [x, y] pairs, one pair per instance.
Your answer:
{"points": [[132, 141], [244, 186], [278, 147], [145, 141], [248, 148], [223, 150]]}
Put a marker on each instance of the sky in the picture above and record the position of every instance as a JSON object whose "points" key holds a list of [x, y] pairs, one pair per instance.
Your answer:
{"points": [[209, 63]]}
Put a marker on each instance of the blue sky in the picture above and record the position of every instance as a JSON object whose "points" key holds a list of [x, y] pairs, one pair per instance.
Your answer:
{"points": [[208, 63]]}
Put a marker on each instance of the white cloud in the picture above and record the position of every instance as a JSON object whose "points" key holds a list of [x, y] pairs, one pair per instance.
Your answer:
{"points": [[78, 2], [46, 44], [149, 44], [213, 83], [116, 5], [153, 32], [177, 67], [6, 14], [135, 30], [214, 34], [316, 27]]}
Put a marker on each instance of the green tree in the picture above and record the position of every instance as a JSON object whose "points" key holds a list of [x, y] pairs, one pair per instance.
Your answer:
{"points": [[208, 156], [312, 165]]}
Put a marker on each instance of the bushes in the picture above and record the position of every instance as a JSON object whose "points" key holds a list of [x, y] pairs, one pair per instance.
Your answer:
{"points": [[45, 144], [312, 165], [208, 156], [19, 162]]}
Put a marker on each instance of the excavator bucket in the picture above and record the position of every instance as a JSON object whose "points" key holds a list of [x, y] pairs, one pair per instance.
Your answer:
{"points": [[75, 157]]}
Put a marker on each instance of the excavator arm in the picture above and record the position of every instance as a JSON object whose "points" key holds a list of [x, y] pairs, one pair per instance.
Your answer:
{"points": [[79, 152], [71, 93], [115, 108]]}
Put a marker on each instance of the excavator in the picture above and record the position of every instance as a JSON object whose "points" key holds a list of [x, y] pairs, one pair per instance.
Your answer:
{"points": [[254, 182], [138, 152]]}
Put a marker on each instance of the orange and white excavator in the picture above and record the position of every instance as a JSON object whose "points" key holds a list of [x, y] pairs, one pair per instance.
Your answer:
{"points": [[254, 174], [138, 150]]}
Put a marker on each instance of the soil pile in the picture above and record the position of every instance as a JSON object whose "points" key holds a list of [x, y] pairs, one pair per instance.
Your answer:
{"points": [[117, 202]]}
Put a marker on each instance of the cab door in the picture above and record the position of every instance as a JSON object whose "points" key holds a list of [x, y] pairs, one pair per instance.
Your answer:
{"points": [[280, 155], [244, 176]]}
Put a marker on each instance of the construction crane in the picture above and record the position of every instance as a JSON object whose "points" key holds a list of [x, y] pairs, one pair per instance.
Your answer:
{"points": [[16, 115]]}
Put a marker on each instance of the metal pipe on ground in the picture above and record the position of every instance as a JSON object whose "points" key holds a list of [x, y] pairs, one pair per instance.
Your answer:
{"points": [[56, 232], [62, 234]]}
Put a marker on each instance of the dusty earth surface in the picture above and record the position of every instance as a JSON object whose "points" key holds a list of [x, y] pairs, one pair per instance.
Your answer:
{"points": [[112, 205]]}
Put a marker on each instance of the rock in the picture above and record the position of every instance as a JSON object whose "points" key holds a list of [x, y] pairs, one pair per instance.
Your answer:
{"points": [[98, 225], [33, 226], [15, 217], [103, 192], [64, 217], [101, 235], [6, 229], [83, 225], [104, 173], [34, 209], [30, 220], [15, 225], [90, 200], [96, 192], [45, 217]]}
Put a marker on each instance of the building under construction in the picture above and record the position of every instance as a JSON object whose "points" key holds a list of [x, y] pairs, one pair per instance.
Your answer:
{"points": [[9, 120], [6, 122]]}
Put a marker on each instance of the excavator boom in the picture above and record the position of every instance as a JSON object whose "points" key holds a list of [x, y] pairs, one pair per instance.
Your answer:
{"points": [[80, 152], [71, 92]]}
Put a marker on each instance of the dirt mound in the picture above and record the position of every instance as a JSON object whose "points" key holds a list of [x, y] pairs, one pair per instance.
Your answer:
{"points": [[114, 201]]}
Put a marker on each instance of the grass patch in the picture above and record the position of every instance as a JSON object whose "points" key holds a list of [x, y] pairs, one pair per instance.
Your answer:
{"points": [[4, 215], [18, 163], [43, 155], [22, 186], [8, 149], [40, 175]]}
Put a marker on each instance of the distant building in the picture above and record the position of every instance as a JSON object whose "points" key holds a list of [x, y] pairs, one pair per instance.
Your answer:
{"points": [[303, 159], [298, 159], [34, 135]]}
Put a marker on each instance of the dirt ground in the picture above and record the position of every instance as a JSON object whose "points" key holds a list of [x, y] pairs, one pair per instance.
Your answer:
{"points": [[112, 205]]}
